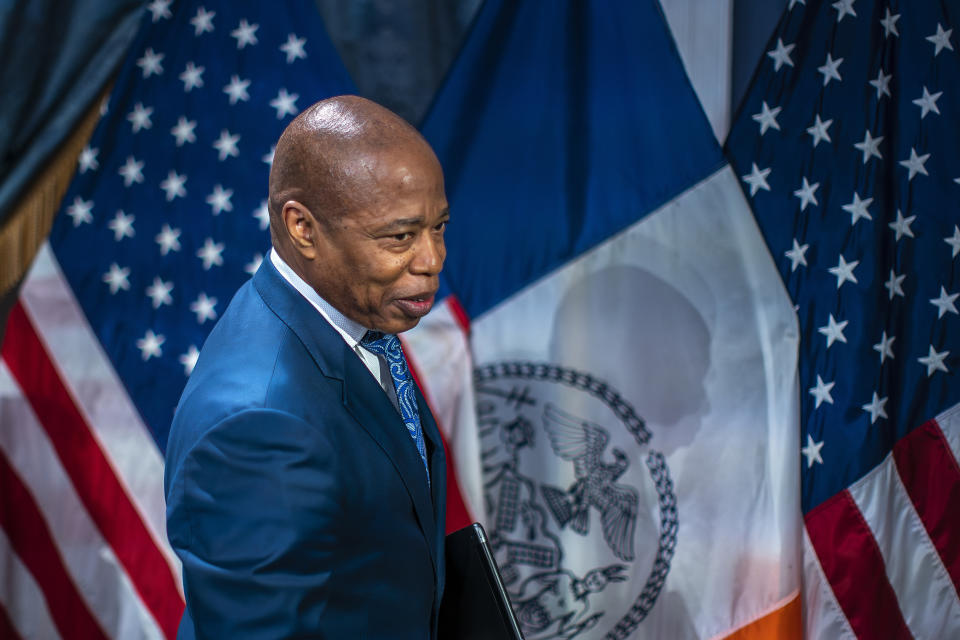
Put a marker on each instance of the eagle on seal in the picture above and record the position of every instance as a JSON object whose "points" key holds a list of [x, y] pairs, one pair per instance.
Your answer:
{"points": [[583, 443]]}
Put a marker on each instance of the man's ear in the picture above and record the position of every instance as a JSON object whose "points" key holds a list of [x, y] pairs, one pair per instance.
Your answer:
{"points": [[301, 228]]}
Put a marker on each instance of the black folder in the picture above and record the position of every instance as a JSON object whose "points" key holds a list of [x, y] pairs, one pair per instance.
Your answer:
{"points": [[475, 604]]}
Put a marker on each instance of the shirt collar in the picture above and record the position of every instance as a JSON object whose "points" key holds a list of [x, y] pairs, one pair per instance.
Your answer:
{"points": [[351, 331]]}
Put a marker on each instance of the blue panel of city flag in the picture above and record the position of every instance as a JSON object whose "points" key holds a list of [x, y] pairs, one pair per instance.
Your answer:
{"points": [[848, 146], [166, 216]]}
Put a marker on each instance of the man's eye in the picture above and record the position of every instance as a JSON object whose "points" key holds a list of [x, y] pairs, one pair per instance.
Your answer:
{"points": [[441, 226], [402, 237]]}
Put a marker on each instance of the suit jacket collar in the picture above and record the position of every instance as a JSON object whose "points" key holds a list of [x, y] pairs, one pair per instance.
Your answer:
{"points": [[364, 399]]}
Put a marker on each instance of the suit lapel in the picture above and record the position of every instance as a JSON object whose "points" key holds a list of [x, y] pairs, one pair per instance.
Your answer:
{"points": [[362, 397], [369, 405]]}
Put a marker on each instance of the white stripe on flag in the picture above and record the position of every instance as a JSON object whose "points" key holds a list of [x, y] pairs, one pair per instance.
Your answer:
{"points": [[949, 422], [100, 396], [923, 587], [823, 617], [21, 598], [100, 579], [442, 356]]}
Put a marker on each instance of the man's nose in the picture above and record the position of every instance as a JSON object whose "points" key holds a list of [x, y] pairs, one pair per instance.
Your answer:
{"points": [[429, 255]]}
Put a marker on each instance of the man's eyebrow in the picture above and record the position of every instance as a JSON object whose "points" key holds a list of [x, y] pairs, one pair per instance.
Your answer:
{"points": [[400, 223], [404, 223]]}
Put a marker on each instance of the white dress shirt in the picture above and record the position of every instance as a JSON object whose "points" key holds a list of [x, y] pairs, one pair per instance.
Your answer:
{"points": [[352, 332]]}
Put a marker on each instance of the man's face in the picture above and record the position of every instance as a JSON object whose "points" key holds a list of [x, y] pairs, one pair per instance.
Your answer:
{"points": [[378, 262]]}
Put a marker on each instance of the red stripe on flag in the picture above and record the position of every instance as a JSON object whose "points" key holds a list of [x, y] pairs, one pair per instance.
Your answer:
{"points": [[7, 630], [457, 515], [459, 314], [853, 566], [31, 540], [101, 492], [932, 479]]}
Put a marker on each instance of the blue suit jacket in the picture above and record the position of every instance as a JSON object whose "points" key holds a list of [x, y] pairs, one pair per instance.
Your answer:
{"points": [[296, 500]]}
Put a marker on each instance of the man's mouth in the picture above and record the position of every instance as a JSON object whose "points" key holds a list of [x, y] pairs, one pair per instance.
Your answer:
{"points": [[416, 306]]}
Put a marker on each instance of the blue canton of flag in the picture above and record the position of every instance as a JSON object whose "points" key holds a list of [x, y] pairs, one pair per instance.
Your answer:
{"points": [[167, 214], [847, 147]]}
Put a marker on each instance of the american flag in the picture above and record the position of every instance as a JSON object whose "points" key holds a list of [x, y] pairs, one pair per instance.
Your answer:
{"points": [[848, 146], [165, 218]]}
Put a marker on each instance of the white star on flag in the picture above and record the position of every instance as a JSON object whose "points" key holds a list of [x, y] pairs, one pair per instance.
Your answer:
{"points": [[140, 117], [192, 76], [830, 69], [928, 103], [945, 303], [794, 2], [781, 55], [150, 63], [819, 131], [889, 23], [268, 156], [914, 164], [285, 103], [806, 193], [80, 211], [858, 209], [121, 225], [173, 185], [844, 271], [954, 241], [183, 131], [797, 255], [263, 215], [209, 254], [293, 47], [833, 331], [117, 278], [869, 146], [159, 292], [881, 83], [159, 9], [168, 239], [150, 344], [88, 159], [237, 89], [226, 144], [844, 8], [821, 392], [885, 347], [812, 451], [245, 33], [902, 226], [894, 284], [203, 21], [132, 171], [189, 359], [254, 264], [933, 361], [875, 408], [757, 179], [203, 306], [219, 200], [940, 40]]}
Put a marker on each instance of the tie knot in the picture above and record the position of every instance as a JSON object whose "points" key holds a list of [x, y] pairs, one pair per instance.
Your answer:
{"points": [[385, 344]]}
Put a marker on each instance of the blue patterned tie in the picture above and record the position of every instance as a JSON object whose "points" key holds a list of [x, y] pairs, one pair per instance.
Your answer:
{"points": [[388, 346]]}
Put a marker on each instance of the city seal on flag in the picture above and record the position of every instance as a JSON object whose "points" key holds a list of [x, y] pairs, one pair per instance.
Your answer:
{"points": [[565, 460]]}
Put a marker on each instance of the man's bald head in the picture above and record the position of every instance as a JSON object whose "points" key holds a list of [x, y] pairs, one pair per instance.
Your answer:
{"points": [[324, 157], [358, 211]]}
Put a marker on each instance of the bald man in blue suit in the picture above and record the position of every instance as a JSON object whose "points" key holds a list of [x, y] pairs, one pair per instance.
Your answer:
{"points": [[305, 475]]}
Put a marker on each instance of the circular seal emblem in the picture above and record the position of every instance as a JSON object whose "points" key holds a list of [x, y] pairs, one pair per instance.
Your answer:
{"points": [[583, 517]]}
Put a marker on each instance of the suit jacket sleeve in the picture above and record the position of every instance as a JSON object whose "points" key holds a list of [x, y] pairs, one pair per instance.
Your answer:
{"points": [[252, 512]]}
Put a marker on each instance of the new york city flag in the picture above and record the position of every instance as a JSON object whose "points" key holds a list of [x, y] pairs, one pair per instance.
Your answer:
{"points": [[634, 451]]}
